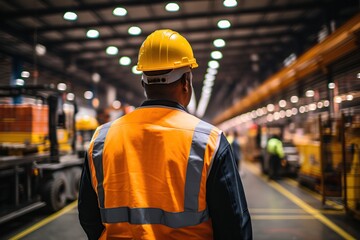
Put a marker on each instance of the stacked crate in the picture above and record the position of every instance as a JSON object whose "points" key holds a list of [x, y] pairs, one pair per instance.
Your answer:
{"points": [[24, 123]]}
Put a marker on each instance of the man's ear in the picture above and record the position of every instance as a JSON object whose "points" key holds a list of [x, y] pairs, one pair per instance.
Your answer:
{"points": [[186, 84]]}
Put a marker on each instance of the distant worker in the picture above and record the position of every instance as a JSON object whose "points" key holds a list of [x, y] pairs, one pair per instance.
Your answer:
{"points": [[159, 173], [235, 145], [276, 155]]}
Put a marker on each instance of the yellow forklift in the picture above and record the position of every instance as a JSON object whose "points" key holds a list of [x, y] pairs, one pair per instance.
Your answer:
{"points": [[38, 162], [85, 128]]}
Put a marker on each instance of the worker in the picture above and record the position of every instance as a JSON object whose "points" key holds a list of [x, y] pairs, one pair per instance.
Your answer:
{"points": [[160, 172], [235, 145], [276, 155]]}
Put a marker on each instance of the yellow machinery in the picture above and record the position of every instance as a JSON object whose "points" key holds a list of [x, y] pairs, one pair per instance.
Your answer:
{"points": [[351, 153], [85, 127], [37, 139], [320, 154]]}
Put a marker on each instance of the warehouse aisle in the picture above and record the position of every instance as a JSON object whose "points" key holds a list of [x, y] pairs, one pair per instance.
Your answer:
{"points": [[279, 210]]}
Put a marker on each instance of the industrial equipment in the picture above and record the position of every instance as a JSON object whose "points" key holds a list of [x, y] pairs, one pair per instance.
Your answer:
{"points": [[38, 163]]}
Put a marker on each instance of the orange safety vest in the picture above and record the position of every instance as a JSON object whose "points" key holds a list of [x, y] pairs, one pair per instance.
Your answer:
{"points": [[149, 170]]}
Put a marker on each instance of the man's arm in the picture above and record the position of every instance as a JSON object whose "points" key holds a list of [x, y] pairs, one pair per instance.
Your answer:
{"points": [[89, 213], [226, 198]]}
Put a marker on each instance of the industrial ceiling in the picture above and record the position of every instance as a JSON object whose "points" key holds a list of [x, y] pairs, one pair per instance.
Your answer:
{"points": [[258, 37]]}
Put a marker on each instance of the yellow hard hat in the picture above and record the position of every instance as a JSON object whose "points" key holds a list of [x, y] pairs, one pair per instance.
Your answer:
{"points": [[163, 50]]}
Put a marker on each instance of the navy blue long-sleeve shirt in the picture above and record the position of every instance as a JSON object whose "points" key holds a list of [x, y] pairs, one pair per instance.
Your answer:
{"points": [[224, 195]]}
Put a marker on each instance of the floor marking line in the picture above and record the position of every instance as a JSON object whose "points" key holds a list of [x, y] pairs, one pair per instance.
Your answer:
{"points": [[315, 195], [276, 210], [281, 217], [314, 212], [45, 221]]}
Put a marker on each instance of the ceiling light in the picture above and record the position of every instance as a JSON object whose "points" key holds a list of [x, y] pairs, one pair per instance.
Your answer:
{"points": [[111, 50], [61, 86], [213, 64], [312, 106], [88, 95], [125, 61], [349, 97], [216, 55], [134, 30], [331, 85], [92, 33], [230, 3], [294, 111], [19, 82], [209, 77], [294, 99], [270, 107], [310, 93], [219, 42], [358, 75], [223, 24], [172, 7], [282, 103], [276, 116], [212, 71], [282, 114], [25, 74], [135, 71], [40, 49], [119, 11], [338, 99], [320, 104], [302, 109], [326, 103], [70, 16], [70, 96], [95, 77]]}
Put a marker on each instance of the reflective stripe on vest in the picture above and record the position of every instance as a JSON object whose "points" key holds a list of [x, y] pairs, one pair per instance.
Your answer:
{"points": [[189, 217]]}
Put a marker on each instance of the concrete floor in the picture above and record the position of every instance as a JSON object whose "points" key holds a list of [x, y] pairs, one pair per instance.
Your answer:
{"points": [[279, 210]]}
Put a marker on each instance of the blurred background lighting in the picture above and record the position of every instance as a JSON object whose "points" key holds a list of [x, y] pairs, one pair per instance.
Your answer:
{"points": [[112, 50], [61, 87], [216, 55], [70, 16], [134, 71], [213, 64], [230, 3], [219, 43], [282, 103], [309, 93], [172, 7], [92, 33], [134, 30], [125, 61], [119, 11], [25, 74], [331, 85], [88, 95], [294, 99], [70, 96], [223, 24]]}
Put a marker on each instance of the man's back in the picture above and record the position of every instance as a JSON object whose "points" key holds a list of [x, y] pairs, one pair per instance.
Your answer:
{"points": [[157, 153]]}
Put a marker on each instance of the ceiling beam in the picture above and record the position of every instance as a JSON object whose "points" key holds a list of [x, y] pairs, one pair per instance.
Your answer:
{"points": [[126, 37], [228, 12], [41, 12]]}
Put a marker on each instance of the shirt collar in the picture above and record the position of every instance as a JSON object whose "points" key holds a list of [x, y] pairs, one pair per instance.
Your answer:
{"points": [[163, 102]]}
